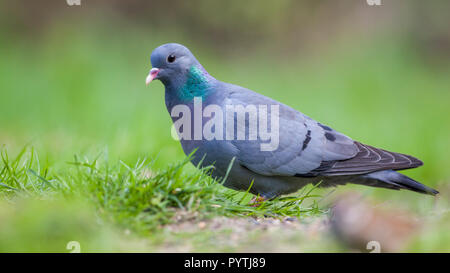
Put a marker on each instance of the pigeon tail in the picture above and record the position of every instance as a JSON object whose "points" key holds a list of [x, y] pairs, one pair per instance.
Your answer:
{"points": [[394, 180]]}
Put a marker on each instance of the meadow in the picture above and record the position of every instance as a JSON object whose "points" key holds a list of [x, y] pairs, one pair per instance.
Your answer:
{"points": [[87, 153]]}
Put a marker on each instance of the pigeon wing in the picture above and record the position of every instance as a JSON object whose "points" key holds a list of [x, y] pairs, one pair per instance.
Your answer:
{"points": [[307, 148]]}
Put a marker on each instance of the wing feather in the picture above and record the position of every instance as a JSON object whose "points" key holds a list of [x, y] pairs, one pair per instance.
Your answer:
{"points": [[369, 159]]}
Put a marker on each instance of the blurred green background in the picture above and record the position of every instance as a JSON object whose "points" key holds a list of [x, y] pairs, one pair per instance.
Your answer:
{"points": [[72, 77]]}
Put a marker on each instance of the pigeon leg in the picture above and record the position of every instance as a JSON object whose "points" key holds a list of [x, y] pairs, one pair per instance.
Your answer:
{"points": [[256, 201]]}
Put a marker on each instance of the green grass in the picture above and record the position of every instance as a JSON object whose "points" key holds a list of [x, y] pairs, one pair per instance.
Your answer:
{"points": [[79, 90], [137, 197]]}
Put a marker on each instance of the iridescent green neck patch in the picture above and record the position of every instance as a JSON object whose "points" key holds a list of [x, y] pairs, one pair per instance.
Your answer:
{"points": [[197, 85]]}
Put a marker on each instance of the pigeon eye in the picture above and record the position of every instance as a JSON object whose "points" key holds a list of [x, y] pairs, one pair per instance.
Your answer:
{"points": [[171, 58]]}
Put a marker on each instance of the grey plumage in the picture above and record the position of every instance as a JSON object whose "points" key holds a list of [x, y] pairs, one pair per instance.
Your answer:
{"points": [[308, 151]]}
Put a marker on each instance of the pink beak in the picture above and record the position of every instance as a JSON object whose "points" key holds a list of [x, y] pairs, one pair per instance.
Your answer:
{"points": [[152, 75]]}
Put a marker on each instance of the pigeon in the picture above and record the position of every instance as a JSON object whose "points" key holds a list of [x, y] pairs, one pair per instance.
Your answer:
{"points": [[306, 151]]}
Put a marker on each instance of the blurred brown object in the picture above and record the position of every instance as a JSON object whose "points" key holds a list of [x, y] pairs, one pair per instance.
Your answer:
{"points": [[360, 225]]}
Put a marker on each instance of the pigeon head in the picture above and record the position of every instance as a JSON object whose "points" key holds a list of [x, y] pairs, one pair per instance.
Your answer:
{"points": [[171, 64], [180, 72]]}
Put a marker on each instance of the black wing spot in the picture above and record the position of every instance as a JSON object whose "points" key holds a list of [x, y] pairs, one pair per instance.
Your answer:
{"points": [[305, 175], [326, 128], [307, 140], [330, 136]]}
